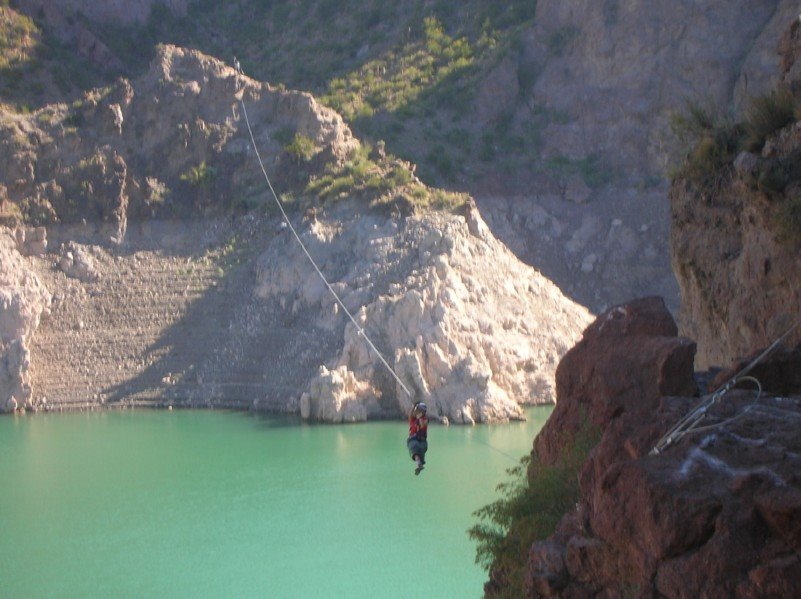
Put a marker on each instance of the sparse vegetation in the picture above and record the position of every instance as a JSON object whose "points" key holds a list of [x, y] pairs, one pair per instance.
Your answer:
{"points": [[200, 175], [715, 142], [361, 176], [531, 505], [399, 78], [19, 38], [767, 115], [10, 213], [591, 169], [302, 148], [157, 191]]}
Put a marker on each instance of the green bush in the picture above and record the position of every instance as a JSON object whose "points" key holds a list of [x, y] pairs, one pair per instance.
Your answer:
{"points": [[200, 175], [531, 505], [302, 148]]}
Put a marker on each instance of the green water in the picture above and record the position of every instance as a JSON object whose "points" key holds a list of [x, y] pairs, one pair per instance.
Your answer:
{"points": [[212, 504]]}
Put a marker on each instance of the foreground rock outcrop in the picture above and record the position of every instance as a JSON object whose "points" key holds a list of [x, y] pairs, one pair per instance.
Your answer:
{"points": [[714, 515], [23, 301]]}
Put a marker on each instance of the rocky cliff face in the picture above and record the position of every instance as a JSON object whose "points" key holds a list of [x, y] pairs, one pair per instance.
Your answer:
{"points": [[599, 81], [219, 314], [713, 515], [734, 245], [23, 301], [466, 326]]}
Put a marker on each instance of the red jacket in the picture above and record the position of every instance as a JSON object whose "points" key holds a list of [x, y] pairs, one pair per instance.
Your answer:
{"points": [[418, 428]]}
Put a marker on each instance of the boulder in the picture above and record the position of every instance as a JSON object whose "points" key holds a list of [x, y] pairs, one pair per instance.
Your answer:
{"points": [[626, 361], [76, 261]]}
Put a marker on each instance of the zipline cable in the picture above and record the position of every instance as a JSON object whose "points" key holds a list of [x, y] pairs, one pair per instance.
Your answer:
{"points": [[360, 330], [690, 423]]}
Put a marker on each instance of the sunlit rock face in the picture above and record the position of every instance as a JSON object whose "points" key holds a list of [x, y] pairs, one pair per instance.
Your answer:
{"points": [[468, 328], [23, 301]]}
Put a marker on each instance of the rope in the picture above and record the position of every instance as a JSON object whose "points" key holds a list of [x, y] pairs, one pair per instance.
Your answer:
{"points": [[689, 424], [492, 447], [308, 255]]}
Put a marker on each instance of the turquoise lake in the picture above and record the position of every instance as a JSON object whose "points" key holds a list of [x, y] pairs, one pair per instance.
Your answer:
{"points": [[218, 504]]}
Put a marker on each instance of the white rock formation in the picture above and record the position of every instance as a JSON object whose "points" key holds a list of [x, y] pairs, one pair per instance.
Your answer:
{"points": [[23, 300], [466, 326], [76, 261]]}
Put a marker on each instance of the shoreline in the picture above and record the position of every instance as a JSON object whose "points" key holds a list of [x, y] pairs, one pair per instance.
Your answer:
{"points": [[228, 407]]}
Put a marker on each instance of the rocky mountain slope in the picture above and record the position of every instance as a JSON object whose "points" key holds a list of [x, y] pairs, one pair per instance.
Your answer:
{"points": [[590, 210], [209, 313], [555, 119], [168, 143]]}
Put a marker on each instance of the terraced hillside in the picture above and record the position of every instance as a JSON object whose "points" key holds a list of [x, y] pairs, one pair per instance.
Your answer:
{"points": [[156, 324]]}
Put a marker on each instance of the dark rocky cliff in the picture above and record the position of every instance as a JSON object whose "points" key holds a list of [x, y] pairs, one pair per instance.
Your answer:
{"points": [[714, 515]]}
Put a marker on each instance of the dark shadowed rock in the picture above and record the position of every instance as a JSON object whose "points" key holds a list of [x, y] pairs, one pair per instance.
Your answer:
{"points": [[628, 358], [715, 515], [781, 374]]}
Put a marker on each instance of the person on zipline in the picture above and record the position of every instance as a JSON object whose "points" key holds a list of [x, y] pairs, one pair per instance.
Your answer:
{"points": [[418, 435]]}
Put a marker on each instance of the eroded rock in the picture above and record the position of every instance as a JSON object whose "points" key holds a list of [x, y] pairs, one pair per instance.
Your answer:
{"points": [[466, 326], [23, 301]]}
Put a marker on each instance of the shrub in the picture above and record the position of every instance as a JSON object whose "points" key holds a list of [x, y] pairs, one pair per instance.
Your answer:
{"points": [[715, 142], [10, 213], [559, 40], [200, 175], [530, 507], [767, 115], [438, 158], [302, 148]]}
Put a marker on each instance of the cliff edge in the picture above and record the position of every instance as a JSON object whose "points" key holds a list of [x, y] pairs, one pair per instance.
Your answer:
{"points": [[716, 514]]}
